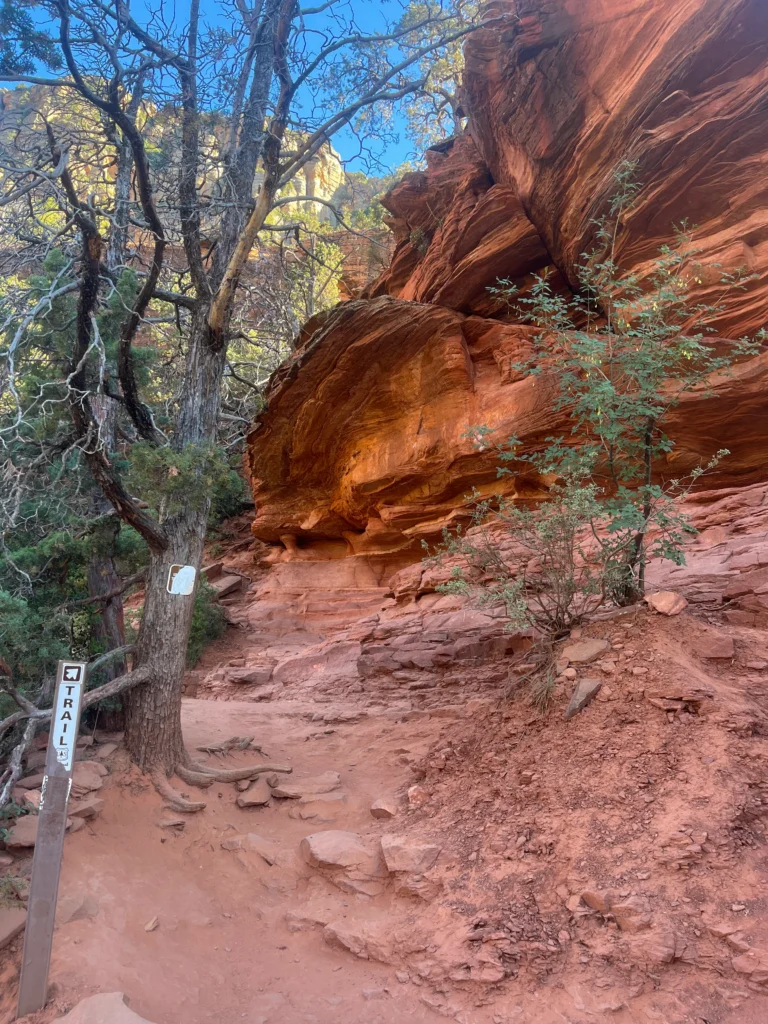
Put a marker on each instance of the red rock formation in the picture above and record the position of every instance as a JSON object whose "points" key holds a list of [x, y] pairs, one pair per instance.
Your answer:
{"points": [[363, 447]]}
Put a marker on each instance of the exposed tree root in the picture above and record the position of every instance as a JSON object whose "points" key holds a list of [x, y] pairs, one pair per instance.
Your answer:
{"points": [[175, 800], [196, 774], [234, 743]]}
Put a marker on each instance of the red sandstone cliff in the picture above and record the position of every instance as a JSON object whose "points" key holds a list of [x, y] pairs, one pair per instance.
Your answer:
{"points": [[362, 447]]}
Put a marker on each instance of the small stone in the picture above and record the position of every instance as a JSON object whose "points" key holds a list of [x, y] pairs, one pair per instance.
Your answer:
{"points": [[757, 666], [259, 795], [632, 914], [375, 993], [737, 907], [596, 900], [233, 843], [666, 602], [242, 784], [32, 799], [74, 825], [152, 924], [738, 942], [563, 936], [172, 823], [584, 692], [570, 673], [417, 796], [383, 808], [403, 977]]}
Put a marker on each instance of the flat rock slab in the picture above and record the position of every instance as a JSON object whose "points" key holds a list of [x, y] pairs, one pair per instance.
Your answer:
{"points": [[666, 602], [88, 807], [294, 789], [584, 651], [335, 849], [24, 832], [104, 1008], [715, 647], [585, 691], [224, 585], [249, 676], [268, 851], [12, 921], [87, 777], [402, 854]]}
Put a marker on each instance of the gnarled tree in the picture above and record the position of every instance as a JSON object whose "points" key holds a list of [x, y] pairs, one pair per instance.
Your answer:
{"points": [[255, 95]]}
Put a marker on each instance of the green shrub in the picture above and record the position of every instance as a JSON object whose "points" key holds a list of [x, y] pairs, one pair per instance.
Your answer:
{"points": [[208, 622]]}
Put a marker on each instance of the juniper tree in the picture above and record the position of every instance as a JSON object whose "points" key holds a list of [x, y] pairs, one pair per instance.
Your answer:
{"points": [[281, 82]]}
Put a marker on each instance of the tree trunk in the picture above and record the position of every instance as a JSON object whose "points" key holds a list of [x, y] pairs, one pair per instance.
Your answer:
{"points": [[103, 578], [153, 722], [109, 625]]}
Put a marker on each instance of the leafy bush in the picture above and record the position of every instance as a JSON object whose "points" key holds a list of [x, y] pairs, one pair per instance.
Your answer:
{"points": [[208, 622], [626, 348], [623, 351], [230, 498]]}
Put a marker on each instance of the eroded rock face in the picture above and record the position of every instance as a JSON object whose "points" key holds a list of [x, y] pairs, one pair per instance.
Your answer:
{"points": [[366, 445]]}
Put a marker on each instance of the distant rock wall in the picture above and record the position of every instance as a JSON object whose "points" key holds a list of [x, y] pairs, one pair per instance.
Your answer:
{"points": [[363, 447]]}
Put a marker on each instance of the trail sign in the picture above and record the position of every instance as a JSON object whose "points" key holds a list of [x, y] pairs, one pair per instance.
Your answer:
{"points": [[46, 864], [181, 579]]}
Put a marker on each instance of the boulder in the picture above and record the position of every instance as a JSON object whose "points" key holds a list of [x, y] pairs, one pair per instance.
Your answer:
{"points": [[402, 854], [584, 692], [104, 1008], [666, 602]]}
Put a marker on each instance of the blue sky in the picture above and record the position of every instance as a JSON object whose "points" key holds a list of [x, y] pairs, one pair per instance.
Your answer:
{"points": [[370, 16]]}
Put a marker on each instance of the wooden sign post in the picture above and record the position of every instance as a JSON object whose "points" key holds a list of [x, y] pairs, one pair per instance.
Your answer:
{"points": [[46, 864]]}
